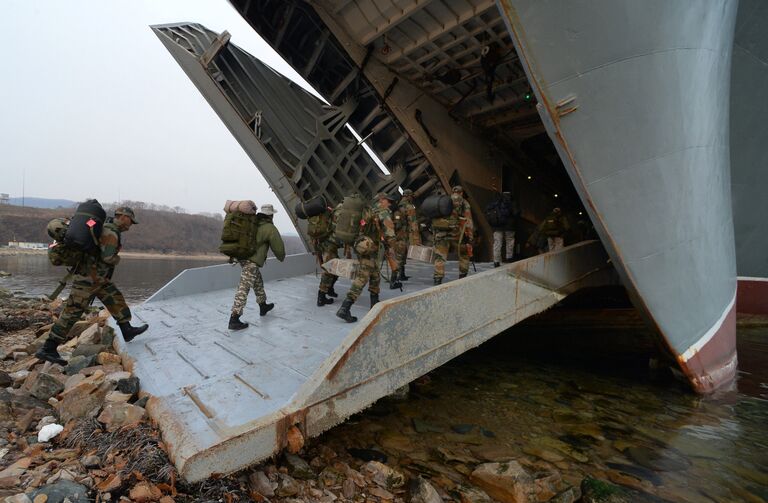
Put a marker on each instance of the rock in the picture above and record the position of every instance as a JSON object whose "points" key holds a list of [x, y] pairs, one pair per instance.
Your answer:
{"points": [[19, 355], [45, 386], [507, 482], [17, 498], [661, 460], [89, 350], [61, 490], [4, 274], [381, 493], [600, 491], [90, 461], [462, 429], [5, 379], [349, 489], [570, 495], [468, 494], [108, 358], [142, 402], [84, 400], [422, 426], [117, 376], [383, 475], [117, 415], [145, 491], [111, 483], [423, 492], [287, 486], [295, 439], [128, 386], [78, 363], [16, 469], [117, 397], [259, 482], [19, 376], [367, 454], [73, 381], [91, 335], [298, 468], [107, 336], [48, 432], [44, 421]]}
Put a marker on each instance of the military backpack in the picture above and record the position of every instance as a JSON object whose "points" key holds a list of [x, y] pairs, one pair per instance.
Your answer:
{"points": [[319, 226], [59, 253], [238, 236], [348, 219]]}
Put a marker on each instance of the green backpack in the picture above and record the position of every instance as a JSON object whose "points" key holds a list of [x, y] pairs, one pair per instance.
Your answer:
{"points": [[319, 226], [59, 253], [238, 237], [348, 219]]}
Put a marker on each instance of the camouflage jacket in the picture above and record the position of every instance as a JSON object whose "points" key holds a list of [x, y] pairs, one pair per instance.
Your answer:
{"points": [[381, 228], [460, 220], [554, 225], [106, 258], [406, 226]]}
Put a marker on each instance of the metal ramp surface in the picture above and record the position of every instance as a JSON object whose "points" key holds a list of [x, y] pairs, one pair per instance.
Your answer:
{"points": [[224, 400]]}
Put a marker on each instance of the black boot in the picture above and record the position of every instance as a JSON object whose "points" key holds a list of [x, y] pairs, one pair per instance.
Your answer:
{"points": [[344, 313], [264, 308], [322, 299], [496, 264], [374, 299], [462, 275], [401, 275], [235, 323], [331, 292], [130, 332], [393, 283], [438, 281], [49, 352]]}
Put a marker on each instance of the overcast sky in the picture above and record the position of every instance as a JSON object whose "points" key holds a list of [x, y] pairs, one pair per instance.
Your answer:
{"points": [[93, 105]]}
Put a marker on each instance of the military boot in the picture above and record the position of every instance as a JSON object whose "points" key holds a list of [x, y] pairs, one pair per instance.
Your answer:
{"points": [[462, 275], [265, 307], [129, 332], [496, 264], [344, 313], [402, 275], [331, 292], [322, 299], [374, 299], [49, 352], [235, 323], [393, 283], [438, 281]]}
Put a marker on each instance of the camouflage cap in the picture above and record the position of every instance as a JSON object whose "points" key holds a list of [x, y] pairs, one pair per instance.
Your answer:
{"points": [[407, 192], [458, 188], [384, 195], [128, 212]]}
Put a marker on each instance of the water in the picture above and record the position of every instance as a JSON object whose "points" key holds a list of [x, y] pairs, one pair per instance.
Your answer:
{"points": [[560, 401], [137, 278]]}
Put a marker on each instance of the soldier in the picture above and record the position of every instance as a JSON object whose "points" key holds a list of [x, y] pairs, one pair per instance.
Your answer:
{"points": [[553, 227], [502, 216], [406, 232], [377, 229], [267, 237], [92, 279], [327, 248], [455, 231]]}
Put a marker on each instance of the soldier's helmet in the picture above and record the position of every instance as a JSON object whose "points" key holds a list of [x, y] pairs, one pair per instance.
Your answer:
{"points": [[364, 246], [407, 193], [384, 195], [128, 212], [458, 189], [57, 228]]}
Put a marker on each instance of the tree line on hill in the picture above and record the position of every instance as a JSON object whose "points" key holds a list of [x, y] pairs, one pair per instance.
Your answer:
{"points": [[161, 229]]}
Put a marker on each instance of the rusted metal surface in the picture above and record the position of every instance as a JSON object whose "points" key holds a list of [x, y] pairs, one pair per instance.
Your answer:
{"points": [[224, 399], [652, 170]]}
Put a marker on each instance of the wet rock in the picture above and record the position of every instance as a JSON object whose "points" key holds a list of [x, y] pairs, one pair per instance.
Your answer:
{"points": [[383, 475], [129, 386], [422, 426], [600, 491], [78, 363], [469, 494], [298, 468], [396, 441], [507, 482], [423, 492], [89, 350], [367, 454], [117, 415], [660, 460], [61, 490], [45, 386], [462, 429], [287, 486], [259, 482]]}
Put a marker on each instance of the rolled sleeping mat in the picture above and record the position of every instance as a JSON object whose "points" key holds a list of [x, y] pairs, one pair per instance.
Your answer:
{"points": [[245, 206], [311, 208], [437, 206]]}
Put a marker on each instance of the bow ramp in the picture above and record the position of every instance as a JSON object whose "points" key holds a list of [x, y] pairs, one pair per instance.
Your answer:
{"points": [[225, 400]]}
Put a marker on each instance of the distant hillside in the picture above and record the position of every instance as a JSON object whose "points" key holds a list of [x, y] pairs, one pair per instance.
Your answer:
{"points": [[41, 202], [158, 231]]}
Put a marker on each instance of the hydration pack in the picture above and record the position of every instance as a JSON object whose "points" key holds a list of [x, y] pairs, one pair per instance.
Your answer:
{"points": [[238, 236], [85, 226], [498, 212], [348, 217]]}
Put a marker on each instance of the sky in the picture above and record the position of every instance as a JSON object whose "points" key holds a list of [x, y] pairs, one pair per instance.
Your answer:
{"points": [[93, 105]]}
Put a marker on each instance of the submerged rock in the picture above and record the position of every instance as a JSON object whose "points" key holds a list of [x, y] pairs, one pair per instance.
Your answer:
{"points": [[507, 482]]}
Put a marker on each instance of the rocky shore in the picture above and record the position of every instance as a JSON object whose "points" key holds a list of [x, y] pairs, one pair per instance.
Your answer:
{"points": [[81, 433]]}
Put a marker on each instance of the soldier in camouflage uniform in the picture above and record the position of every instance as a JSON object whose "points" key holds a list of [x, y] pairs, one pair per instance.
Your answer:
{"points": [[406, 232], [455, 232], [378, 229], [267, 237], [92, 279], [327, 248]]}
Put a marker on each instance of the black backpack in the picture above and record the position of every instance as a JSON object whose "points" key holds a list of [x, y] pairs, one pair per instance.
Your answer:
{"points": [[85, 226], [498, 212]]}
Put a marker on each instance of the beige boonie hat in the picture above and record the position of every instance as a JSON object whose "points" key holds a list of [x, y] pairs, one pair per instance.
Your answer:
{"points": [[267, 209]]}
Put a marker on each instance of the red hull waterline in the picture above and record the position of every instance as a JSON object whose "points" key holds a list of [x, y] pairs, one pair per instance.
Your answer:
{"points": [[752, 296], [711, 363]]}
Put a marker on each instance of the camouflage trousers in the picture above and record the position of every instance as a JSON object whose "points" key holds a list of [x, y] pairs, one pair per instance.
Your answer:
{"points": [[250, 277], [401, 252], [328, 250], [368, 271], [83, 288], [503, 238], [443, 246], [554, 244]]}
